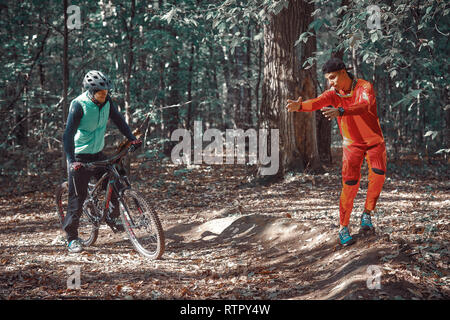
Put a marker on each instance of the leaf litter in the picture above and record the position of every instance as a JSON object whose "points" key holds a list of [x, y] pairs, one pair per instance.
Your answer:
{"points": [[227, 238]]}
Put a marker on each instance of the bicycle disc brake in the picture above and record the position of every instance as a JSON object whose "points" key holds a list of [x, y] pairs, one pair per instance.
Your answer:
{"points": [[92, 211]]}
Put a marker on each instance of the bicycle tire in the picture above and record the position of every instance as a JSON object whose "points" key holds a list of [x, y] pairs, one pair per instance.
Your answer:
{"points": [[87, 231], [142, 225]]}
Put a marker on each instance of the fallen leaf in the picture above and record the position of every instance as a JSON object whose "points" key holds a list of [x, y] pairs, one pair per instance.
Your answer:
{"points": [[184, 292]]}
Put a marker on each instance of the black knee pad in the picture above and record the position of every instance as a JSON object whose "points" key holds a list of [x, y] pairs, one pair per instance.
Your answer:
{"points": [[378, 171], [351, 182]]}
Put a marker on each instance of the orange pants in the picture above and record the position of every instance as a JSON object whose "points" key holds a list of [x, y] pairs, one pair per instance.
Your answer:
{"points": [[352, 159]]}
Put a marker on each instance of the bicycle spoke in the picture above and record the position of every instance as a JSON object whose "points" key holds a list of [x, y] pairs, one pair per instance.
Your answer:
{"points": [[142, 225]]}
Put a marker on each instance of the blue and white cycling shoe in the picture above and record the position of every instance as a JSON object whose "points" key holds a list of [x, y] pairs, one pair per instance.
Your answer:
{"points": [[345, 238], [366, 222], [75, 246]]}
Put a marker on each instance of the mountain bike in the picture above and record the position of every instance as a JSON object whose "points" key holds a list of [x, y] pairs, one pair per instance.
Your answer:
{"points": [[140, 220]]}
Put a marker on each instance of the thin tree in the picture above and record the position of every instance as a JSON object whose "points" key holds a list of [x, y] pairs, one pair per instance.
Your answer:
{"points": [[65, 103]]}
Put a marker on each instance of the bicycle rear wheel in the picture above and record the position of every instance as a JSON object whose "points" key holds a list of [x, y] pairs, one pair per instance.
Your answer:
{"points": [[142, 224], [87, 231]]}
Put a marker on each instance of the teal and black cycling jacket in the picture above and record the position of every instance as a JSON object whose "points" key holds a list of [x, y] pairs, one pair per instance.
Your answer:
{"points": [[86, 126]]}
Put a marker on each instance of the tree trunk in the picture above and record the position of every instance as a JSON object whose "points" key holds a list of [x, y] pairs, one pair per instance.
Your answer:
{"points": [[248, 122], [171, 114], [323, 135], [130, 62], [236, 86], [447, 129], [21, 120], [227, 92], [297, 149], [65, 104], [161, 102], [41, 101], [215, 87], [305, 123], [258, 82], [189, 87]]}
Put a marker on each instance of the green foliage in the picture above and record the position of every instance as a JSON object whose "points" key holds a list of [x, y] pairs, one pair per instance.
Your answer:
{"points": [[177, 62], [204, 60], [406, 58]]}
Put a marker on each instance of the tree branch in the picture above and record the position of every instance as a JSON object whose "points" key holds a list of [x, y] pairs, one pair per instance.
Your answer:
{"points": [[31, 115], [41, 48]]}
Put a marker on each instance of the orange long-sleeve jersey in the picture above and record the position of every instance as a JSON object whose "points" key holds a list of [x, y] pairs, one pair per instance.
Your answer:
{"points": [[360, 123]]}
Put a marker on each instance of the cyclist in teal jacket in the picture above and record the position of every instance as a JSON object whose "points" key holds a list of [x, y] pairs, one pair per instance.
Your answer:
{"points": [[84, 139]]}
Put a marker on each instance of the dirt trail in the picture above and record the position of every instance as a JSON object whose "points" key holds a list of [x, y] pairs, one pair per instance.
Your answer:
{"points": [[227, 239]]}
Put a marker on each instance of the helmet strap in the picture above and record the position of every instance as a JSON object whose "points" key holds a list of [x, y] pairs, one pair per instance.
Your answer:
{"points": [[91, 95]]}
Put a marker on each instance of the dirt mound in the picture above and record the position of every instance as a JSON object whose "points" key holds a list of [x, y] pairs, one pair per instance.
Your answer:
{"points": [[224, 241], [323, 269]]}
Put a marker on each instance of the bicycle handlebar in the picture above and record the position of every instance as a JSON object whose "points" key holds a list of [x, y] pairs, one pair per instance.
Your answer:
{"points": [[123, 148], [105, 163]]}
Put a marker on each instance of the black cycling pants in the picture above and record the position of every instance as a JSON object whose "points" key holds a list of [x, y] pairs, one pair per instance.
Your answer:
{"points": [[78, 183]]}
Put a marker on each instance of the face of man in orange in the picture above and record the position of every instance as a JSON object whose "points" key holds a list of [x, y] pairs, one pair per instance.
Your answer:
{"points": [[338, 80]]}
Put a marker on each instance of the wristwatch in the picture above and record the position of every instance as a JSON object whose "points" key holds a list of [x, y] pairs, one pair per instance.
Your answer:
{"points": [[341, 111]]}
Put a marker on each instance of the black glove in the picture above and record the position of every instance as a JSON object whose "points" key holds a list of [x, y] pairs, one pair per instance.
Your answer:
{"points": [[135, 144]]}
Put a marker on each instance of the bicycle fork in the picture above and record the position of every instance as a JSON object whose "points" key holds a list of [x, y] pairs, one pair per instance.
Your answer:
{"points": [[127, 218], [75, 186]]}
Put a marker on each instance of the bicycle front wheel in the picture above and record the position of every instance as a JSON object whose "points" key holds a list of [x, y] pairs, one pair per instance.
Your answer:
{"points": [[142, 224]]}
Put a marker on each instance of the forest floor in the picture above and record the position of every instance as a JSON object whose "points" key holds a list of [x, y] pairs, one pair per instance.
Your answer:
{"points": [[227, 238]]}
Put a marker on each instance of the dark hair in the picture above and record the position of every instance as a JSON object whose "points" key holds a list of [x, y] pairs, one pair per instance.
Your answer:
{"points": [[333, 64]]}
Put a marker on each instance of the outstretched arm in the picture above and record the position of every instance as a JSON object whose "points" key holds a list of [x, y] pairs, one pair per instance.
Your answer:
{"points": [[324, 100]]}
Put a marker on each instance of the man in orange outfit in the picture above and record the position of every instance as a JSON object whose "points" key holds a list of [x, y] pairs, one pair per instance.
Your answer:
{"points": [[354, 105]]}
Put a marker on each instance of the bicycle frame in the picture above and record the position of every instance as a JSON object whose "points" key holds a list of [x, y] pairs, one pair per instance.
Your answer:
{"points": [[113, 176]]}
